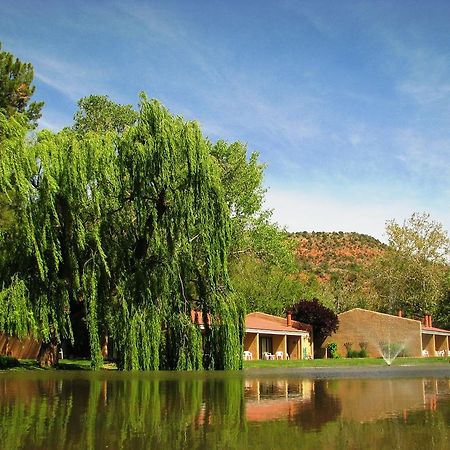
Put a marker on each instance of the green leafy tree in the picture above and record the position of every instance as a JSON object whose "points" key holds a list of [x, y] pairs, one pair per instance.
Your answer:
{"points": [[261, 255], [262, 286], [16, 88], [412, 273], [442, 314], [99, 114], [133, 230]]}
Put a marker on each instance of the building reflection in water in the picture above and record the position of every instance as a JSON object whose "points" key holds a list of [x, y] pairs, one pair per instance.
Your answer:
{"points": [[304, 402], [312, 403]]}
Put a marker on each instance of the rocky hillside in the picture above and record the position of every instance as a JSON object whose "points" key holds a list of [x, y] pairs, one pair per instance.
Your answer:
{"points": [[335, 253]]}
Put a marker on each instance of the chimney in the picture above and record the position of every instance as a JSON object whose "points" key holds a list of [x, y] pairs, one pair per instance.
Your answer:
{"points": [[289, 319], [400, 314], [430, 321]]}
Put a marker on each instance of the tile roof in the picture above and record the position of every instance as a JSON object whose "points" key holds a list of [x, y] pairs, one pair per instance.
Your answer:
{"points": [[262, 321], [439, 330]]}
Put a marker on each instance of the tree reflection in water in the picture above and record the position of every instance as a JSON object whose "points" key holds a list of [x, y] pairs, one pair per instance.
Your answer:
{"points": [[194, 411]]}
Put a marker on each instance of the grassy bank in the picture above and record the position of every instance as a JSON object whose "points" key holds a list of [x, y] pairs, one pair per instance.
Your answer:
{"points": [[85, 364], [12, 364], [342, 362]]}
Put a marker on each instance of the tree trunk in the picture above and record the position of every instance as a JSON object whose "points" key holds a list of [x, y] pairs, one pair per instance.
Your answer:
{"points": [[48, 354], [104, 345]]}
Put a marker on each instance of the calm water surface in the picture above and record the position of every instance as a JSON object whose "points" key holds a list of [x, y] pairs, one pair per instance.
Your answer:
{"points": [[73, 410]]}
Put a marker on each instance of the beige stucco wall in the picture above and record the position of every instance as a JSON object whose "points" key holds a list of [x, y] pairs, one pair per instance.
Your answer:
{"points": [[441, 343], [251, 344], [307, 348], [428, 344], [279, 344], [294, 347], [359, 325]]}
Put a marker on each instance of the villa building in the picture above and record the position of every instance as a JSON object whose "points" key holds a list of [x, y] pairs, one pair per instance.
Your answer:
{"points": [[272, 337], [373, 330]]}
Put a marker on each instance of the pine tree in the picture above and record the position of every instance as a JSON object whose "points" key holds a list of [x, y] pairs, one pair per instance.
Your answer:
{"points": [[16, 89]]}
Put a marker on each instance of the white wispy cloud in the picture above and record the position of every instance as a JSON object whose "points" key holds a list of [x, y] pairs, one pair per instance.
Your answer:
{"points": [[316, 211], [428, 79], [424, 155]]}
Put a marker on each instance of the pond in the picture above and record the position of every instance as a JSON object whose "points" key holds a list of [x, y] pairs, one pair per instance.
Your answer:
{"points": [[249, 410]]}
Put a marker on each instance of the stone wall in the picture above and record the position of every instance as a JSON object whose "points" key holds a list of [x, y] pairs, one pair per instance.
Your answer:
{"points": [[250, 344]]}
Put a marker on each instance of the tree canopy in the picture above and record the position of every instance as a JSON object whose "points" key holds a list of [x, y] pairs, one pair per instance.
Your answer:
{"points": [[260, 258], [16, 89], [99, 114], [412, 273], [131, 228]]}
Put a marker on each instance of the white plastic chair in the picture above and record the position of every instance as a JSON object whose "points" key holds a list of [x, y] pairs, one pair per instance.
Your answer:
{"points": [[425, 353], [279, 355], [248, 355]]}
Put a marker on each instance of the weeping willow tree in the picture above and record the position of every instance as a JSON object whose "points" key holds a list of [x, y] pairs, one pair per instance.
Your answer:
{"points": [[132, 230]]}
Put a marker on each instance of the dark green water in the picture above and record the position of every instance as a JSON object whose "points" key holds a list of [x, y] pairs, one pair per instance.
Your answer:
{"points": [[73, 410]]}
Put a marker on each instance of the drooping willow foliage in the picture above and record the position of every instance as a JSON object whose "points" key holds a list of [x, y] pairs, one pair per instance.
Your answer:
{"points": [[131, 229]]}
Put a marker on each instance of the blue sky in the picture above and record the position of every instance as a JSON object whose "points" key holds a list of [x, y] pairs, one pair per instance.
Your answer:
{"points": [[347, 102]]}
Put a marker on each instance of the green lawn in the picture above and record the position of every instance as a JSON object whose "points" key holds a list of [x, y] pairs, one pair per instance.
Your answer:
{"points": [[63, 364], [82, 364], [341, 362], [85, 364]]}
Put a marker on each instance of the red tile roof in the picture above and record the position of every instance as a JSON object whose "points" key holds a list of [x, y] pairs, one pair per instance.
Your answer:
{"points": [[262, 321], [439, 330]]}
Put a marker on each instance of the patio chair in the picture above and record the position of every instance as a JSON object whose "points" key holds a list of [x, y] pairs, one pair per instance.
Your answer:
{"points": [[425, 353], [248, 355], [267, 355], [279, 355]]}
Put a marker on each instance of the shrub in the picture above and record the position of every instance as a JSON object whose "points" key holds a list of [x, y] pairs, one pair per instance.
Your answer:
{"points": [[8, 361], [332, 350], [356, 353], [363, 353]]}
